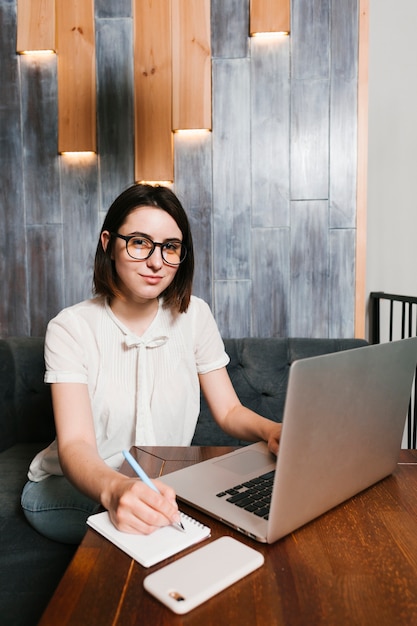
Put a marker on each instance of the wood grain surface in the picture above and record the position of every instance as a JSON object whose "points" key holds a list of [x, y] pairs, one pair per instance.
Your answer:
{"points": [[271, 191], [354, 565]]}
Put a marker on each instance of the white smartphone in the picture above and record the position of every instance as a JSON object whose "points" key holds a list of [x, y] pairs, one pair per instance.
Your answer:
{"points": [[198, 576]]}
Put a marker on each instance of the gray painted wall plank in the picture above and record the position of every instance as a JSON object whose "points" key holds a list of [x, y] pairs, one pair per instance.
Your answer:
{"points": [[309, 269], [343, 125], [310, 60], [46, 290], [309, 139], [229, 28], [343, 147], [80, 227], [232, 307], [40, 128], [310, 36], [342, 282], [344, 37], [193, 154], [115, 107], [270, 284], [270, 131], [14, 313], [268, 266], [113, 8], [231, 167]]}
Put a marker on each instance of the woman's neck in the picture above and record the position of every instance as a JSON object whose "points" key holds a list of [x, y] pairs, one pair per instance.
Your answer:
{"points": [[136, 316]]}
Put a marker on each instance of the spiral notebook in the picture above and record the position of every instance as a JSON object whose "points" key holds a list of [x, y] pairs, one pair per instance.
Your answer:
{"points": [[153, 548]]}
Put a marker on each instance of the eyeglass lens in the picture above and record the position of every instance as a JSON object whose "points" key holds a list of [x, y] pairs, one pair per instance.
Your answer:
{"points": [[140, 248]]}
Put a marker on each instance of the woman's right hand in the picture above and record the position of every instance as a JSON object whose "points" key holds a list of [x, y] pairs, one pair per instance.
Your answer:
{"points": [[136, 508], [133, 506]]}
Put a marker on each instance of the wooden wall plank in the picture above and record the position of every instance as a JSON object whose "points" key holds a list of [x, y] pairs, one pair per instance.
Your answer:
{"points": [[46, 287], [270, 302], [310, 39], [76, 75], [309, 261], [232, 307], [39, 133], [342, 282], [343, 125], [115, 115], [231, 167], [226, 180], [343, 148], [309, 139], [192, 153], [310, 99], [229, 28], [269, 16], [80, 224], [344, 37], [270, 125], [35, 25], [191, 64], [14, 301], [153, 91]]}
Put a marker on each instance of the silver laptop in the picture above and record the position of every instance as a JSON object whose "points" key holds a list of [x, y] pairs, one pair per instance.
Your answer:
{"points": [[343, 424]]}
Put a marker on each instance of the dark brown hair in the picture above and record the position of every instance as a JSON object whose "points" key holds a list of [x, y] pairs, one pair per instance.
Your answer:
{"points": [[177, 295]]}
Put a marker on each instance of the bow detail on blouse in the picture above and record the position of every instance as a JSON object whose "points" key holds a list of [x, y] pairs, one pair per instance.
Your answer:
{"points": [[155, 342], [145, 434]]}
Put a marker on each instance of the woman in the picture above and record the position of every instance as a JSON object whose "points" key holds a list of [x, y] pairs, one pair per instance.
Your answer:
{"points": [[126, 369]]}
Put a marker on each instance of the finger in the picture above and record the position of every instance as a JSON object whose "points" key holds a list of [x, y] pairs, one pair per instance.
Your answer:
{"points": [[131, 524], [150, 507], [166, 491]]}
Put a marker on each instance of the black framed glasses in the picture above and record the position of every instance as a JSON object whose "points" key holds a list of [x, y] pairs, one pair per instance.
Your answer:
{"points": [[140, 248]]}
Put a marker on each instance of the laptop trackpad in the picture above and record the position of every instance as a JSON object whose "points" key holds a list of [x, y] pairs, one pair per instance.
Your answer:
{"points": [[245, 462]]}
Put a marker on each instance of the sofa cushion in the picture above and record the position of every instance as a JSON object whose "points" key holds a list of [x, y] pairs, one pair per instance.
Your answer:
{"points": [[259, 370], [14, 465], [25, 400], [30, 565], [8, 427]]}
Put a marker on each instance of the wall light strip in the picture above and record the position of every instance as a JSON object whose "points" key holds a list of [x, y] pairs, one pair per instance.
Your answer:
{"points": [[35, 26], [270, 35], [155, 183], [77, 153], [269, 16], [37, 52], [76, 76], [192, 132]]}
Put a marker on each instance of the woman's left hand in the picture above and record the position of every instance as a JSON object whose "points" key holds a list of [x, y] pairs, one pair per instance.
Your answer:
{"points": [[274, 437]]}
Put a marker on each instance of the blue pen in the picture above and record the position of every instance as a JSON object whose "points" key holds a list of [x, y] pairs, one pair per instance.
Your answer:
{"points": [[143, 476]]}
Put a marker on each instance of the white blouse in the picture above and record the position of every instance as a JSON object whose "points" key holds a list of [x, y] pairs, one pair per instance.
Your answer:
{"points": [[143, 390]]}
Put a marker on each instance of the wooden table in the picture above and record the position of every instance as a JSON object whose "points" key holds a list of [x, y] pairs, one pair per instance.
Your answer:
{"points": [[356, 564]]}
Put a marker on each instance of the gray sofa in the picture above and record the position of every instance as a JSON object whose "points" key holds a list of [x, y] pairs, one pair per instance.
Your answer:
{"points": [[30, 565]]}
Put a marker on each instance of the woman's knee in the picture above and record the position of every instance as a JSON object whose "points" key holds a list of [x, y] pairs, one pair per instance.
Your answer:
{"points": [[56, 509]]}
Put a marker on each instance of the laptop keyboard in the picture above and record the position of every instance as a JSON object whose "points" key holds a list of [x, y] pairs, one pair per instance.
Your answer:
{"points": [[253, 496]]}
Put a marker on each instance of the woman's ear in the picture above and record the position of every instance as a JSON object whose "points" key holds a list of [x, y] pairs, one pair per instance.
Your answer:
{"points": [[105, 238]]}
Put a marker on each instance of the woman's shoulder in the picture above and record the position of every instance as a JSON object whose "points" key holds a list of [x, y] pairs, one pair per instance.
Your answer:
{"points": [[87, 309], [198, 311], [198, 304], [197, 315]]}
